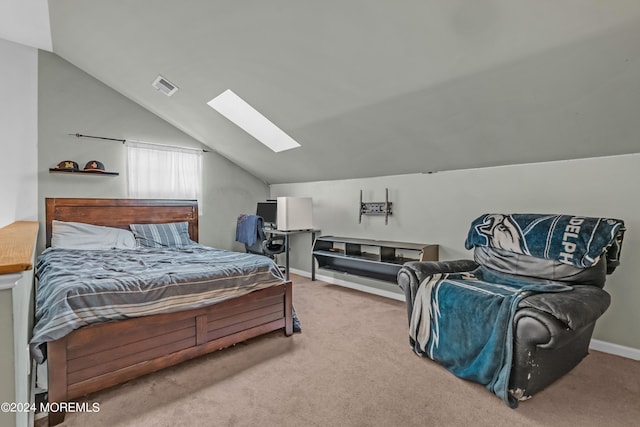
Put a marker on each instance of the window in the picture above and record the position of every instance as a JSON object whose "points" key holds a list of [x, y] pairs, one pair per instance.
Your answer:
{"points": [[252, 121], [164, 172]]}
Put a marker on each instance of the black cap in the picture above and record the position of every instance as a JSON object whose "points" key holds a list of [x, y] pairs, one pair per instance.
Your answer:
{"points": [[94, 166]]}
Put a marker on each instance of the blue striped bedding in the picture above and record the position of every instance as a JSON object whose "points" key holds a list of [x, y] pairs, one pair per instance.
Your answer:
{"points": [[81, 287]]}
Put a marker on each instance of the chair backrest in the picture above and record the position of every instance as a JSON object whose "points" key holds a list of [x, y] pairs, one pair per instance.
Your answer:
{"points": [[250, 231], [540, 268], [257, 247], [576, 250]]}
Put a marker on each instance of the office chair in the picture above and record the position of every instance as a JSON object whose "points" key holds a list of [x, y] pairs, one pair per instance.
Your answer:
{"points": [[250, 231]]}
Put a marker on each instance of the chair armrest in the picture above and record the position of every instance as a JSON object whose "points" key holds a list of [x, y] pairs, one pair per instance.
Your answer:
{"points": [[544, 319], [422, 269], [575, 309], [413, 273], [276, 239], [269, 248]]}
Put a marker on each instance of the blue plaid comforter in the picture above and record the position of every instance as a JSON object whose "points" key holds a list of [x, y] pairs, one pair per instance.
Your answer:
{"points": [[79, 287]]}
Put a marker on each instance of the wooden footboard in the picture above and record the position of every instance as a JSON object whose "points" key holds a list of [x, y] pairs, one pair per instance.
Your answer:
{"points": [[100, 356]]}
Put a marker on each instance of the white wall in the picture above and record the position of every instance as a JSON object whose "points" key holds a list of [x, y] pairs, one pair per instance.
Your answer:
{"points": [[18, 196], [19, 136], [438, 208]]}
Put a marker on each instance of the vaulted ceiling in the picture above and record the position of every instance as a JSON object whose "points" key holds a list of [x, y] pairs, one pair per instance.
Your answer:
{"points": [[371, 88]]}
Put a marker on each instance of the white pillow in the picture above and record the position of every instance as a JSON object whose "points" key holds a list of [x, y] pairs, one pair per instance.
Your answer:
{"points": [[78, 235]]}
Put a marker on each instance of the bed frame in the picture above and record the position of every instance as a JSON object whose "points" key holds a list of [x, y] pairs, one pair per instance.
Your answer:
{"points": [[99, 356]]}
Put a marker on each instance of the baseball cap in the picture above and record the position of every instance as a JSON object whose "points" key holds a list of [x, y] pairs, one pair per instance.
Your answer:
{"points": [[67, 165], [94, 166]]}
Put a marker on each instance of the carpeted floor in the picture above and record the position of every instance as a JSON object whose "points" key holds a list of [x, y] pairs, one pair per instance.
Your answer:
{"points": [[352, 366]]}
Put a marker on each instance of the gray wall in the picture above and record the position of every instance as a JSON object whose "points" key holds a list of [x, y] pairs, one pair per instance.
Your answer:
{"points": [[18, 193], [438, 208], [19, 137], [71, 101]]}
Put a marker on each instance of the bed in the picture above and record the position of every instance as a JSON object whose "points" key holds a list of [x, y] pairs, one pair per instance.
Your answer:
{"points": [[101, 355]]}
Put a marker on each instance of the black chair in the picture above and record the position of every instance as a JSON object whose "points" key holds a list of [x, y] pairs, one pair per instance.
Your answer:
{"points": [[550, 328], [250, 231]]}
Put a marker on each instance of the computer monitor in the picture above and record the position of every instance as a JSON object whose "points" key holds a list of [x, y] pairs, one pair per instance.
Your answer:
{"points": [[268, 211]]}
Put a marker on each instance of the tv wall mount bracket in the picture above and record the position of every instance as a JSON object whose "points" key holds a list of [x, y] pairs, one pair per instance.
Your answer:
{"points": [[376, 208]]}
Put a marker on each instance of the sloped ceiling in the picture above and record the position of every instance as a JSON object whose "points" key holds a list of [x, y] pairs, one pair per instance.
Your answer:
{"points": [[371, 88], [26, 22]]}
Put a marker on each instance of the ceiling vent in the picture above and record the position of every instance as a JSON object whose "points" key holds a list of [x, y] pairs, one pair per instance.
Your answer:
{"points": [[164, 86]]}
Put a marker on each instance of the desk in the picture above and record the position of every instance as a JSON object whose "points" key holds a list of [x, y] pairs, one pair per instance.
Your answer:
{"points": [[286, 235]]}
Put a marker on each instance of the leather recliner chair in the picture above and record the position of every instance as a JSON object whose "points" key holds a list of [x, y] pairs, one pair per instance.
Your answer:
{"points": [[551, 331]]}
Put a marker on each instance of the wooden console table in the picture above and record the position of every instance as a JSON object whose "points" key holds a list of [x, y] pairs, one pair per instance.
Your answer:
{"points": [[375, 259]]}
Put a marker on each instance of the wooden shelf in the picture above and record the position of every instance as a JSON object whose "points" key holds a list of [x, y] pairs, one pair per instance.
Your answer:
{"points": [[17, 243], [375, 259], [54, 170]]}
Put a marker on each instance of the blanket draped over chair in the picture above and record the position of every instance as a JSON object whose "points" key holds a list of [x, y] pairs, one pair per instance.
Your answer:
{"points": [[246, 229], [464, 321], [579, 241]]}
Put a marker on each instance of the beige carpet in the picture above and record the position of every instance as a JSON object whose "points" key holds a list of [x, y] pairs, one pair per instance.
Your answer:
{"points": [[352, 366]]}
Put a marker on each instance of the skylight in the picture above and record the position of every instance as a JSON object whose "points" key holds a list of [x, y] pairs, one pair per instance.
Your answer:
{"points": [[251, 121]]}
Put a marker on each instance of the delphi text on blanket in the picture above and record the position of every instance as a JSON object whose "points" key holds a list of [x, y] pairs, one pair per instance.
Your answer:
{"points": [[570, 232]]}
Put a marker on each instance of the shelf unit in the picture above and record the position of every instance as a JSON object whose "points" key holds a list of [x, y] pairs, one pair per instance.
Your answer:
{"points": [[54, 170], [375, 259]]}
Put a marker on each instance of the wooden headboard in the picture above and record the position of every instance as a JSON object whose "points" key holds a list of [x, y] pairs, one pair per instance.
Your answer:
{"points": [[120, 213]]}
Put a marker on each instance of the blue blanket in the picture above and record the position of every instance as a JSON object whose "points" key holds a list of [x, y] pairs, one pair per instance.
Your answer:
{"points": [[579, 241], [464, 321], [247, 229]]}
